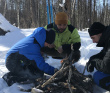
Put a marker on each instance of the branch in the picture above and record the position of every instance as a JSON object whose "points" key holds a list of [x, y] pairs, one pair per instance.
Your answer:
{"points": [[58, 72]]}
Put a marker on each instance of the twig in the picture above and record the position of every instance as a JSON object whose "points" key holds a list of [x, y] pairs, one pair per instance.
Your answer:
{"points": [[50, 80]]}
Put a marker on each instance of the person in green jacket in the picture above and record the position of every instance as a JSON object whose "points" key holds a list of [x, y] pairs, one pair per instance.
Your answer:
{"points": [[67, 37]]}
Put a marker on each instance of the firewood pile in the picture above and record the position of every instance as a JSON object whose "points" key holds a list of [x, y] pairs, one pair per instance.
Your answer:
{"points": [[66, 80]]}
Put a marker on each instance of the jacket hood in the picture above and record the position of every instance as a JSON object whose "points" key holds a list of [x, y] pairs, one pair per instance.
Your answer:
{"points": [[40, 35], [104, 38]]}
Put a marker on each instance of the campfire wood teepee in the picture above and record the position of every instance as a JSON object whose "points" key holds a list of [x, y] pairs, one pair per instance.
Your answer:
{"points": [[66, 80]]}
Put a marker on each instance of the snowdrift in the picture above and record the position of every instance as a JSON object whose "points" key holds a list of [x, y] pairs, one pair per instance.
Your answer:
{"points": [[5, 26]]}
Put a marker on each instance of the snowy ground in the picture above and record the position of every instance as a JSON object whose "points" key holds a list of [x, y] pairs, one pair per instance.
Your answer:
{"points": [[6, 42]]}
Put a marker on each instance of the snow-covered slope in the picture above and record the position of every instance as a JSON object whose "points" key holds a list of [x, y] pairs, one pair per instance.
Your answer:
{"points": [[5, 25]]}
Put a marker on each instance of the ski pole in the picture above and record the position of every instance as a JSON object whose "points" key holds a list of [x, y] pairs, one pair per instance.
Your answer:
{"points": [[51, 11], [48, 17]]}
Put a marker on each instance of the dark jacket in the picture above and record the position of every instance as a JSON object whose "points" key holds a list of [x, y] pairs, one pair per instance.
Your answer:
{"points": [[30, 47], [101, 61]]}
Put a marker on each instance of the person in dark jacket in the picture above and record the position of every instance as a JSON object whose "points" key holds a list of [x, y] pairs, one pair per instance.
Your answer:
{"points": [[100, 34], [66, 39], [25, 60]]}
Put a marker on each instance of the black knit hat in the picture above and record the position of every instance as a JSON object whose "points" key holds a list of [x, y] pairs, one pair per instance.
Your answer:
{"points": [[96, 28], [50, 36]]}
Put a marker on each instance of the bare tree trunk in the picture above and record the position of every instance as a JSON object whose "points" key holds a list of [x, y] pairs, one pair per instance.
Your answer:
{"points": [[33, 12], [5, 8], [79, 13], [44, 18], [18, 13], [72, 11], [37, 13], [72, 7], [68, 6], [107, 14], [94, 12], [89, 11], [103, 12], [85, 14]]}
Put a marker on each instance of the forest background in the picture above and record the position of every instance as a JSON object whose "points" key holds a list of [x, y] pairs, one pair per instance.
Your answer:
{"points": [[33, 13]]}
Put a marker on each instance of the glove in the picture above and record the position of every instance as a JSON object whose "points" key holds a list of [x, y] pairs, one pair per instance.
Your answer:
{"points": [[90, 67], [60, 49], [76, 46], [74, 55]]}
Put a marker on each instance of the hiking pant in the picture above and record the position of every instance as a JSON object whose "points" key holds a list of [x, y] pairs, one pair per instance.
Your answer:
{"points": [[21, 66], [54, 53], [102, 80]]}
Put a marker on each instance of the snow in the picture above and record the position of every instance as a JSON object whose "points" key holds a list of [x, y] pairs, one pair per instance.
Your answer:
{"points": [[6, 42], [5, 25]]}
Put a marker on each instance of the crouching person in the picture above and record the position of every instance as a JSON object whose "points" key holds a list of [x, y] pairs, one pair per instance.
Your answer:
{"points": [[24, 59], [66, 37], [100, 34]]}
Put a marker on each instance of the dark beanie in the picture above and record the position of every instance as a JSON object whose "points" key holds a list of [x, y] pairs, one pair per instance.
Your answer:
{"points": [[50, 36], [96, 28]]}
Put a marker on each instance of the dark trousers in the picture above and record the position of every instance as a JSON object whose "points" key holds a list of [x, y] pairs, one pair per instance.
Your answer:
{"points": [[20, 65], [54, 53]]}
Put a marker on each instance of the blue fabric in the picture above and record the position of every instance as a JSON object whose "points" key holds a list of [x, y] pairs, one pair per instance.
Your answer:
{"points": [[29, 49], [99, 76]]}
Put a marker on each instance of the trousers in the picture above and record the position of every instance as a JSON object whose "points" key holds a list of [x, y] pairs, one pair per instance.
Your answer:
{"points": [[102, 80], [22, 66]]}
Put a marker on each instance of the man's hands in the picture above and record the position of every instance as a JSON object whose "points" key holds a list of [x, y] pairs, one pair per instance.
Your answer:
{"points": [[51, 45], [60, 49], [73, 57], [90, 67]]}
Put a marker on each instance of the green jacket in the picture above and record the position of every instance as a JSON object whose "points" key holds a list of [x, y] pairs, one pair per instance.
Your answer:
{"points": [[66, 38]]}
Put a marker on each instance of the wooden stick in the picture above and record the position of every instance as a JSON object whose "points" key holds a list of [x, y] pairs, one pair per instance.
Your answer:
{"points": [[50, 80]]}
